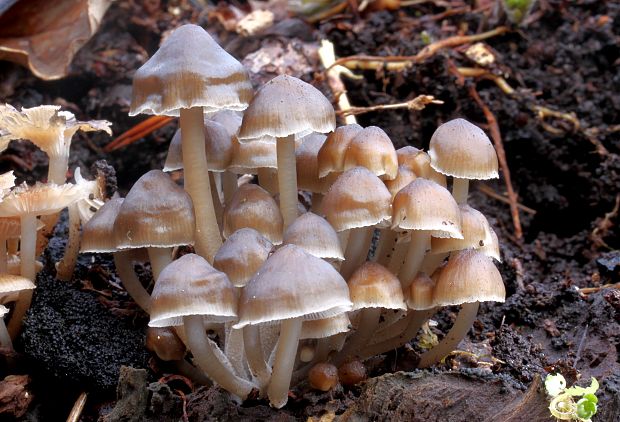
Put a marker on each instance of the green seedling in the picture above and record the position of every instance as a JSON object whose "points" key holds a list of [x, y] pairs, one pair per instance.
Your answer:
{"points": [[571, 404], [517, 10]]}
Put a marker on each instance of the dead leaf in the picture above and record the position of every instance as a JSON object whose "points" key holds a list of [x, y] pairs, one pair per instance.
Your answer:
{"points": [[14, 398], [45, 35]]}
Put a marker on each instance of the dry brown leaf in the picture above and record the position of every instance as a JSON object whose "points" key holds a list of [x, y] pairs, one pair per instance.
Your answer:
{"points": [[14, 398], [45, 35]]}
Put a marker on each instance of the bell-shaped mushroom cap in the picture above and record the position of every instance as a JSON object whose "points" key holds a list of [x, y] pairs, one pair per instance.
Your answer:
{"points": [[45, 126], [156, 213], [469, 276], [218, 147], [374, 286], [321, 328], [421, 292], [315, 235], [357, 198], [164, 342], [425, 205], [190, 286], [287, 106], [461, 149], [242, 255], [98, 233], [40, 199], [252, 206], [230, 119], [307, 165], [248, 157], [14, 283], [491, 248], [420, 163], [331, 154], [373, 149], [293, 284], [403, 178], [476, 233], [190, 70]]}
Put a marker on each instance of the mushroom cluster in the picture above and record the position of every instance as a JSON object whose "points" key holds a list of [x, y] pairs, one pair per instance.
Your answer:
{"points": [[282, 287]]}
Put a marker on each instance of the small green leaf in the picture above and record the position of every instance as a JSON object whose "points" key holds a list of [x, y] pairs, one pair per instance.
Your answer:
{"points": [[580, 391], [585, 409], [591, 397]]}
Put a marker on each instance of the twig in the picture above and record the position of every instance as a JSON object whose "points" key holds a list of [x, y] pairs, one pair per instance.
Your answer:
{"points": [[328, 58], [138, 131], [78, 407], [501, 155], [516, 264], [418, 103], [491, 193], [589, 290], [604, 225], [580, 348], [402, 62]]}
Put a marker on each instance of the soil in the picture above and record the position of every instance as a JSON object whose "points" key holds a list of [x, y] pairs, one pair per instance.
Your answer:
{"points": [[78, 336]]}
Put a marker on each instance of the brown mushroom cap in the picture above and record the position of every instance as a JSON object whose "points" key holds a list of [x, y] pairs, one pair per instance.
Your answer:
{"points": [[190, 70], [287, 106], [357, 198], [242, 255], [190, 286], [403, 178], [156, 213], [425, 205], [326, 327], [218, 146], [315, 235], [461, 149], [248, 157], [164, 342], [469, 276], [281, 291], [373, 149], [476, 233], [420, 163], [331, 155], [306, 157], [98, 233], [252, 206], [421, 292], [374, 286]]}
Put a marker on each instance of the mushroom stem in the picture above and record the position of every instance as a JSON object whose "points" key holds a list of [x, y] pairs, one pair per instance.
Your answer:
{"points": [[235, 351], [124, 268], [229, 185], [464, 321], [57, 170], [396, 262], [287, 179], [208, 239], [3, 257], [432, 262], [286, 351], [28, 269], [386, 247], [254, 353], [267, 179], [65, 268], [356, 251], [419, 245], [217, 204], [368, 322], [212, 361], [415, 320], [5, 338], [160, 258], [460, 189]]}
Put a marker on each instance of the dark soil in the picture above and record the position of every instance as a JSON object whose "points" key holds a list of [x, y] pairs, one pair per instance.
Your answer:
{"points": [[79, 334]]}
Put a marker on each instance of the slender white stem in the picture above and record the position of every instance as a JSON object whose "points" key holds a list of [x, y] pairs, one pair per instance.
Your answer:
{"points": [[217, 204], [28, 270], [5, 338], [65, 268], [57, 170], [460, 190], [464, 321], [386, 247], [432, 262], [208, 239], [160, 258], [287, 179], [124, 268], [398, 257], [356, 251], [229, 185], [212, 361], [235, 351], [415, 320], [254, 353], [419, 245], [365, 330], [286, 351]]}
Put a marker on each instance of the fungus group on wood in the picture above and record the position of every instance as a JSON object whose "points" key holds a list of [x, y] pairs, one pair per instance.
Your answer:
{"points": [[264, 277]]}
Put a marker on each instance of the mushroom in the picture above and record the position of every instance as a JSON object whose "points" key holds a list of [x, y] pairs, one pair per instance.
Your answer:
{"points": [[280, 292], [188, 75], [315, 235], [468, 278], [164, 342], [330, 158], [306, 157], [287, 108], [323, 376], [10, 284], [190, 291], [373, 149], [462, 150], [419, 162]]}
